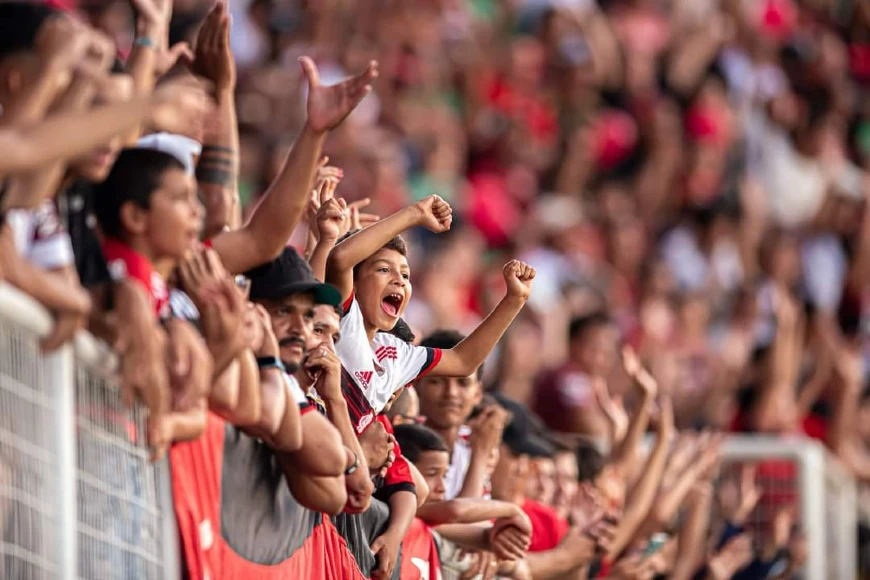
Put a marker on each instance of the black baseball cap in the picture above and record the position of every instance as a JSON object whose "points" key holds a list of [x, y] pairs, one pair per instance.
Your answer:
{"points": [[289, 274], [519, 435]]}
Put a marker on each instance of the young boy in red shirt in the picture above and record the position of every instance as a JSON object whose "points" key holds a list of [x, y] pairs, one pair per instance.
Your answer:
{"points": [[150, 217]]}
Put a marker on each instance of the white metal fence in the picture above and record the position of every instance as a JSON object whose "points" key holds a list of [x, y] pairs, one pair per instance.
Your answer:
{"points": [[800, 471], [78, 496], [79, 499]]}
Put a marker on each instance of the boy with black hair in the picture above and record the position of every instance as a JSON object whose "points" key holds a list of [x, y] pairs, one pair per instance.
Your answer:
{"points": [[447, 403], [370, 268], [444, 526]]}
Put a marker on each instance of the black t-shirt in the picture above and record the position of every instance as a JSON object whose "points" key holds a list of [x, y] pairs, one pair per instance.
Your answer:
{"points": [[76, 208]]}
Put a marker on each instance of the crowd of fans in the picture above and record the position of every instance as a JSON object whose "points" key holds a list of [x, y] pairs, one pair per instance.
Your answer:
{"points": [[625, 218]]}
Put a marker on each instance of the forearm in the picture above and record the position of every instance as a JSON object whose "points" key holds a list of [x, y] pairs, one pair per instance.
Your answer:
{"points": [[31, 188], [321, 494], [218, 168], [67, 135], [277, 215], [552, 563], [319, 256], [403, 508], [346, 255], [468, 355], [467, 536], [465, 511], [187, 425], [140, 67], [50, 289], [627, 451], [336, 411], [248, 407], [638, 505], [322, 453], [474, 484]]}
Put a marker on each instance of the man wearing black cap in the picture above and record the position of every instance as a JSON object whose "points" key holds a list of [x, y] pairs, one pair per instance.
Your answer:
{"points": [[288, 291]]}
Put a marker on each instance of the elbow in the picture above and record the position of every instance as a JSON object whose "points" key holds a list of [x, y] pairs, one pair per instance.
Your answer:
{"points": [[422, 491], [338, 260], [334, 503]]}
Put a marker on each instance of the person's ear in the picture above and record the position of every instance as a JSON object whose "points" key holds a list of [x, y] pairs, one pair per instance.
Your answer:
{"points": [[134, 219]]}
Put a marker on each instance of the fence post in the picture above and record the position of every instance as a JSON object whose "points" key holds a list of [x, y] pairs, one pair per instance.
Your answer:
{"points": [[811, 479], [60, 376]]}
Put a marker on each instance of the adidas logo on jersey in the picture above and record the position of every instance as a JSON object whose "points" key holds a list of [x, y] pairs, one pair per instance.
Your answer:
{"points": [[364, 377]]}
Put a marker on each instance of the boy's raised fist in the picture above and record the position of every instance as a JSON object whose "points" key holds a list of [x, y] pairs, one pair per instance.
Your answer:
{"points": [[518, 276], [436, 215]]}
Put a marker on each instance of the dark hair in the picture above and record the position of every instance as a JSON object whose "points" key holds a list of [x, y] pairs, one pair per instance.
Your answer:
{"points": [[403, 332], [397, 244], [19, 25], [417, 439], [590, 462], [445, 339], [401, 405], [134, 178], [581, 325]]}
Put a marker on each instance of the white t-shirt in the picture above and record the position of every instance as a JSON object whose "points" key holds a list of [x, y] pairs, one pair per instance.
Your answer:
{"points": [[385, 365], [460, 461], [39, 236]]}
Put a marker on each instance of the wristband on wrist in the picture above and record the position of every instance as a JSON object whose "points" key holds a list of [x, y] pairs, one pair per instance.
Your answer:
{"points": [[270, 362], [143, 41]]}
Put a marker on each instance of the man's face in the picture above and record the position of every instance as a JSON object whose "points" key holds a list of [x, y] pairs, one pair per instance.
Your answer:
{"points": [[541, 485], [293, 325], [596, 350], [509, 476], [566, 479], [448, 401], [171, 224], [326, 327], [95, 165], [433, 466], [383, 288]]}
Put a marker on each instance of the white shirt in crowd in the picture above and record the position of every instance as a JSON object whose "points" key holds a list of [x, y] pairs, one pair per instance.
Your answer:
{"points": [[385, 365], [39, 236]]}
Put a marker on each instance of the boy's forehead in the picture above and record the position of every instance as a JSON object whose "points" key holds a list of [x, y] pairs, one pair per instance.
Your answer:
{"points": [[434, 458], [390, 256]]}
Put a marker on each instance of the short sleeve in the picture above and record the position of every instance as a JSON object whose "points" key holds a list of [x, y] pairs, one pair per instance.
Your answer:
{"points": [[409, 362], [297, 394], [51, 246]]}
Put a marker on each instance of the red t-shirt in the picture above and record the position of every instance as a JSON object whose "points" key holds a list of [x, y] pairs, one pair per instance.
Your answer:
{"points": [[398, 476], [419, 553], [548, 529], [124, 262]]}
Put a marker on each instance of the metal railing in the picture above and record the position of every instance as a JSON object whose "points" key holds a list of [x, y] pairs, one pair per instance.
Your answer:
{"points": [[78, 495], [801, 472]]}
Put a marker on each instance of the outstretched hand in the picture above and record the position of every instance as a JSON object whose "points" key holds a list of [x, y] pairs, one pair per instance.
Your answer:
{"points": [[329, 106]]}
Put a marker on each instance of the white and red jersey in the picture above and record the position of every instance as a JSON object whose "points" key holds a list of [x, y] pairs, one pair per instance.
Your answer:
{"points": [[385, 365], [298, 395], [40, 237]]}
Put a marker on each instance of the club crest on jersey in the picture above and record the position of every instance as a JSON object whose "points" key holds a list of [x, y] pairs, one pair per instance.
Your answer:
{"points": [[364, 421]]}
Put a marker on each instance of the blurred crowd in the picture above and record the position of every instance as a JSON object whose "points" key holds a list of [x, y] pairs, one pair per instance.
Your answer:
{"points": [[623, 217]]}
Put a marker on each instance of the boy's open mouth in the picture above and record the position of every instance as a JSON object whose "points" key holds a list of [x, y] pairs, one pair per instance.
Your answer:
{"points": [[391, 303]]}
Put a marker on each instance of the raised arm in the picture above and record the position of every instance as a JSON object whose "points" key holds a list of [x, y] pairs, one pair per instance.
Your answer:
{"points": [[433, 213], [266, 234], [179, 105], [625, 455], [217, 169], [465, 357]]}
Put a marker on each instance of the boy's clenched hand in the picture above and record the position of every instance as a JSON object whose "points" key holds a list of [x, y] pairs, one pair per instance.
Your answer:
{"points": [[518, 276], [435, 214]]}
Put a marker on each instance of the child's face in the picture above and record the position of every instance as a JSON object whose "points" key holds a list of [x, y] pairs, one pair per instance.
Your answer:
{"points": [[433, 465], [448, 401], [171, 224], [542, 483], [383, 288]]}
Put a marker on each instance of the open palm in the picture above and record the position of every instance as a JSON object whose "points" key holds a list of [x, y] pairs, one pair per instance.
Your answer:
{"points": [[328, 106]]}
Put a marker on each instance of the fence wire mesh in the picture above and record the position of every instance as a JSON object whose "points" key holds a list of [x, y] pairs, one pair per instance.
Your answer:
{"points": [[28, 459], [119, 514]]}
